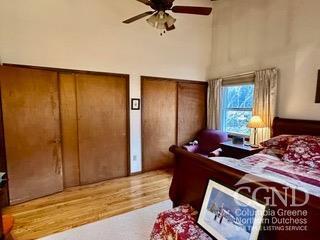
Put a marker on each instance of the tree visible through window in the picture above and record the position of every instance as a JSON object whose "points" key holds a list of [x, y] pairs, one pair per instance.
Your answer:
{"points": [[237, 108]]}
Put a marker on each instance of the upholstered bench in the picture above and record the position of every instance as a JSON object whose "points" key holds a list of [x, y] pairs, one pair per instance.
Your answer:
{"points": [[178, 224]]}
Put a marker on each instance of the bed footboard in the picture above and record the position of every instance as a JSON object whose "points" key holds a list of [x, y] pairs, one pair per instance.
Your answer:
{"points": [[193, 171]]}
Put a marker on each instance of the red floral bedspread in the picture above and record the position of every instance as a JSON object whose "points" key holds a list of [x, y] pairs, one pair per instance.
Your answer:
{"points": [[274, 169], [304, 177], [300, 173], [178, 224]]}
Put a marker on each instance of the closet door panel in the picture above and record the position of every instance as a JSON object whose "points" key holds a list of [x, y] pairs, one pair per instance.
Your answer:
{"points": [[32, 132], [192, 103], [69, 130], [102, 127], [159, 113]]}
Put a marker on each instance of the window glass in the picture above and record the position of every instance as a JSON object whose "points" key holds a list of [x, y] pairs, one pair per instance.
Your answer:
{"points": [[237, 108]]}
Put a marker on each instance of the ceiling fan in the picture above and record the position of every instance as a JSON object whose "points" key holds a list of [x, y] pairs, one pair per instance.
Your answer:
{"points": [[160, 19]]}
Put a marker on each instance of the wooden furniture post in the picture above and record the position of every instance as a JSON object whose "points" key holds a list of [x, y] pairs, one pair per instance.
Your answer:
{"points": [[1, 225], [318, 89]]}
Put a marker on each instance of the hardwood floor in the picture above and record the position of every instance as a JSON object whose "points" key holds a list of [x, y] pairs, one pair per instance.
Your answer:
{"points": [[81, 205]]}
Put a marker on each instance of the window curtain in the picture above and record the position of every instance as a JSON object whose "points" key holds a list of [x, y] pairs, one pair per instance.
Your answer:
{"points": [[214, 103], [265, 100]]}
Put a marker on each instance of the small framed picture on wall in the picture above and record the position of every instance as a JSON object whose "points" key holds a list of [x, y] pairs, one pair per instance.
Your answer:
{"points": [[318, 89], [135, 104]]}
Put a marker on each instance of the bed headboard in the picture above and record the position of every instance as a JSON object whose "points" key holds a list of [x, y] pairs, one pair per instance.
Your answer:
{"points": [[295, 127]]}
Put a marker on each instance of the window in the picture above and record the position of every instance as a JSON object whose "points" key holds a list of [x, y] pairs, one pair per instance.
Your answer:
{"points": [[237, 108]]}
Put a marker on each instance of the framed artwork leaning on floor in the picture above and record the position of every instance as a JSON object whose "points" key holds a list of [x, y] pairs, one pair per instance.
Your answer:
{"points": [[226, 215]]}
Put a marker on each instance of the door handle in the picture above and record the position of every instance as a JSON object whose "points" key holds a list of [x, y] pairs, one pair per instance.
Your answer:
{"points": [[57, 155], [55, 141]]}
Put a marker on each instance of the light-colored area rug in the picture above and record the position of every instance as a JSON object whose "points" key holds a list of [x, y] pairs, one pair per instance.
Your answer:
{"points": [[135, 225]]}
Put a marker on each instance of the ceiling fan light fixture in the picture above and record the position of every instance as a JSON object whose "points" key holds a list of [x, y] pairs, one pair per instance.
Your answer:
{"points": [[170, 20], [161, 20], [153, 20]]}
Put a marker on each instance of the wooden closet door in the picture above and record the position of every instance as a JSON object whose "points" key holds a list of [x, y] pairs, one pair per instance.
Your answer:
{"points": [[159, 113], [32, 132], [192, 110], [102, 127]]}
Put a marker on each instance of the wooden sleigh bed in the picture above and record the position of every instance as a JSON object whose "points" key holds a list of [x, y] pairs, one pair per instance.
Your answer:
{"points": [[193, 171]]}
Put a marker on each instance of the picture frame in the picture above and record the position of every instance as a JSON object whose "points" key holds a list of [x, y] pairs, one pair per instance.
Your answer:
{"points": [[226, 214], [318, 89], [135, 104]]}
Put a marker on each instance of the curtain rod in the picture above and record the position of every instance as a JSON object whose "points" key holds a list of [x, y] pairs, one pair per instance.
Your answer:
{"points": [[238, 75], [243, 74]]}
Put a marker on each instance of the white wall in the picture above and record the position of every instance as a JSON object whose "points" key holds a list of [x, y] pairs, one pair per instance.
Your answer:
{"points": [[135, 126], [256, 34], [89, 35]]}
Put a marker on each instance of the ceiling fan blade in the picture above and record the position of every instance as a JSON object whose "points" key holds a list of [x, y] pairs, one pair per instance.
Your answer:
{"points": [[135, 18], [146, 2], [172, 27], [192, 10]]}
